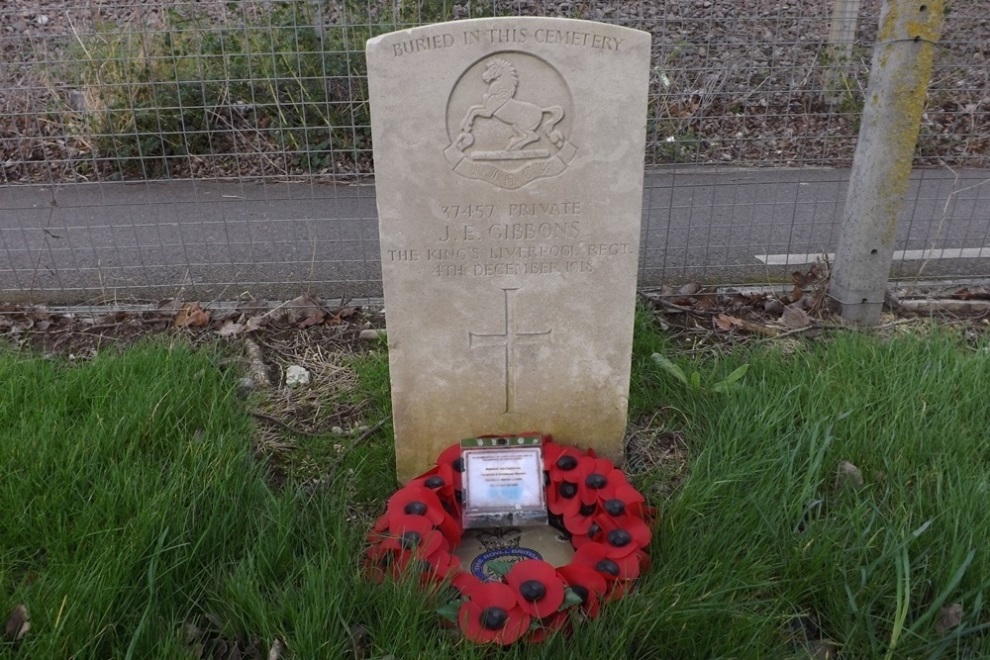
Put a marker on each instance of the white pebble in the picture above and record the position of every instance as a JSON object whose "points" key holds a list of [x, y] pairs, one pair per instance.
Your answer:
{"points": [[371, 334], [296, 376]]}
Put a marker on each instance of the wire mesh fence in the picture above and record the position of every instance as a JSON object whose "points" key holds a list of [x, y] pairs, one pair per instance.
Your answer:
{"points": [[163, 147]]}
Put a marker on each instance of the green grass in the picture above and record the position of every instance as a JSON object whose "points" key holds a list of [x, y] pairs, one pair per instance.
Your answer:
{"points": [[133, 515]]}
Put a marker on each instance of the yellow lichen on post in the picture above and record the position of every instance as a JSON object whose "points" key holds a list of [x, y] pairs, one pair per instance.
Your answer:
{"points": [[899, 74]]}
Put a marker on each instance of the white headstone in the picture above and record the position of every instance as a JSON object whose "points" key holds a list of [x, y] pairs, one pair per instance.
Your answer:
{"points": [[509, 174]]}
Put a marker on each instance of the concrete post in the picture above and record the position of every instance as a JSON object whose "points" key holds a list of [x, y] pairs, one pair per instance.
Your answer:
{"points": [[841, 37], [888, 134]]}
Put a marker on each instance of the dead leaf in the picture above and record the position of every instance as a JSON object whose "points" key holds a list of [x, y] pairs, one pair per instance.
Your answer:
{"points": [[949, 617], [341, 314], [802, 280], [231, 329], [254, 323], [820, 271], [971, 294], [275, 652], [305, 310], [795, 318], [18, 624], [313, 319], [706, 302], [726, 323], [689, 289], [191, 316]]}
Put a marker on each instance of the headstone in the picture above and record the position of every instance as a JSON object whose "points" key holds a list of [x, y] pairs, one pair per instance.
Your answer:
{"points": [[509, 174]]}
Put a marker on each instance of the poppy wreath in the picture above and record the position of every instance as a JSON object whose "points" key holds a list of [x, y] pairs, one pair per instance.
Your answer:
{"points": [[588, 499]]}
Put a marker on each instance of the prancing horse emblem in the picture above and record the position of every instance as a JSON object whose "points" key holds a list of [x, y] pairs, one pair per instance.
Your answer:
{"points": [[522, 116], [535, 145]]}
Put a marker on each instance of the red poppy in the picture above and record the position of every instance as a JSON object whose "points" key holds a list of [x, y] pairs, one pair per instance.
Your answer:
{"points": [[594, 534], [548, 626], [464, 582], [579, 520], [492, 614], [378, 530], [551, 450], [382, 562], [441, 564], [378, 563], [452, 456], [624, 535], [416, 501], [538, 588], [597, 474], [619, 497], [563, 498], [621, 587], [564, 464], [596, 556], [414, 534], [422, 501], [587, 583], [441, 480]]}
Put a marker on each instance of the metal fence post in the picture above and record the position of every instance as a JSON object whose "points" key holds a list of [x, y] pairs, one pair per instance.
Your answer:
{"points": [[888, 134]]}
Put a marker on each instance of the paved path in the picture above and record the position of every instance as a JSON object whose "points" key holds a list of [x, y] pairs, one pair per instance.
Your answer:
{"points": [[89, 242]]}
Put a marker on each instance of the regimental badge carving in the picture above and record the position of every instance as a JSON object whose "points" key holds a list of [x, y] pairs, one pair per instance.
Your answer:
{"points": [[500, 538], [508, 119], [500, 544]]}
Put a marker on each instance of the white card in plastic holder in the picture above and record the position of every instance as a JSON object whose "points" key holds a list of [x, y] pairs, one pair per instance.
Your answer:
{"points": [[503, 486]]}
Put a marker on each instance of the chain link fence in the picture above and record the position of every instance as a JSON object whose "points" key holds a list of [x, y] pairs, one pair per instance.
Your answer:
{"points": [[160, 148]]}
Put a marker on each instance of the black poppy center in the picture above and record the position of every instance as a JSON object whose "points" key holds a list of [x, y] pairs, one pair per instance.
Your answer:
{"points": [[568, 490], [619, 538], [411, 539], [494, 618], [607, 566], [434, 482], [458, 464], [614, 507], [587, 509], [415, 508], [596, 481], [582, 592], [567, 463], [594, 530], [532, 590]]}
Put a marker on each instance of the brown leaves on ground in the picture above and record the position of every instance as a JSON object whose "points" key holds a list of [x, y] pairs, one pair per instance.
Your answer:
{"points": [[795, 318], [302, 312], [191, 316], [87, 330], [737, 314]]}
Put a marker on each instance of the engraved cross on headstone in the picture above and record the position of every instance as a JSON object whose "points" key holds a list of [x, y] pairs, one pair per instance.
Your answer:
{"points": [[509, 338]]}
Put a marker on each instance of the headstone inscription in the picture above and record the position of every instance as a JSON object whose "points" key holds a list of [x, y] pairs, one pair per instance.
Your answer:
{"points": [[509, 175]]}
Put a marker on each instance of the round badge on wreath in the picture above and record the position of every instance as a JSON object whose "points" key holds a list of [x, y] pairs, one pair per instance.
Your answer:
{"points": [[523, 571]]}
